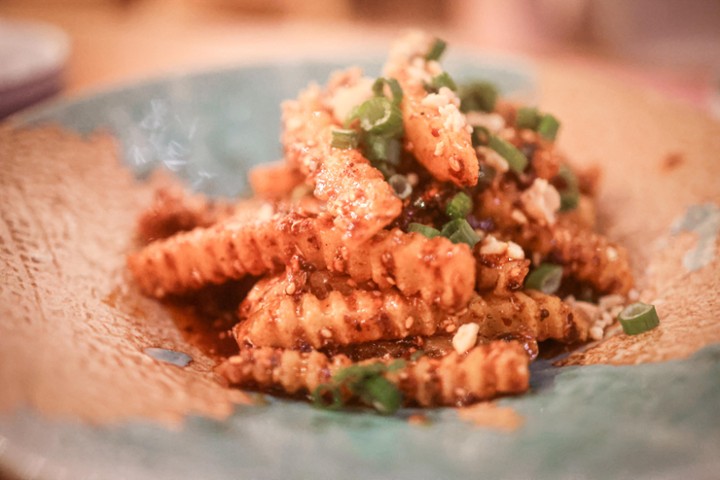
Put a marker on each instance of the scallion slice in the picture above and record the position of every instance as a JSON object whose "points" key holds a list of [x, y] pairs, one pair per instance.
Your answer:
{"points": [[548, 127], [379, 148], [381, 394], [515, 158], [460, 231], [379, 116], [527, 117], [395, 89], [638, 318], [344, 138], [364, 381], [327, 396], [436, 50], [460, 206], [478, 96], [545, 278], [385, 168], [400, 186], [440, 80], [570, 194], [425, 230], [480, 136]]}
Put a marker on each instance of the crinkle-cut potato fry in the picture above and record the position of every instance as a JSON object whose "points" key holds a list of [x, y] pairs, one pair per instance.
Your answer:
{"points": [[585, 255], [274, 180], [530, 313], [270, 317], [500, 274], [500, 202], [173, 210], [190, 260], [590, 257], [291, 370], [359, 262], [583, 216], [356, 193], [435, 269], [486, 371], [435, 130], [276, 319]]}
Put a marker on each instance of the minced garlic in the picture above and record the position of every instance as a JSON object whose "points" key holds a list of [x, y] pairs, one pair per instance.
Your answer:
{"points": [[466, 337], [541, 201]]}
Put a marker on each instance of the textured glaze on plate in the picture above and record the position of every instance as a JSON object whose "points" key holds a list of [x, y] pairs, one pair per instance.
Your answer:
{"points": [[651, 421], [209, 128], [580, 422]]}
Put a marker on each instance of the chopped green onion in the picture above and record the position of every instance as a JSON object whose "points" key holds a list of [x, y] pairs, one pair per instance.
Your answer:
{"points": [[480, 136], [416, 355], [356, 373], [344, 138], [527, 117], [385, 168], [486, 174], [436, 50], [380, 393], [322, 392], [396, 365], [570, 194], [546, 278], [460, 206], [379, 148], [478, 96], [379, 89], [400, 186], [366, 382], [515, 158], [548, 127], [638, 318], [441, 80], [379, 116], [429, 232], [460, 231]]}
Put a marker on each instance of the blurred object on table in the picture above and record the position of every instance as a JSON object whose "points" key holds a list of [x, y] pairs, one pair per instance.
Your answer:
{"points": [[419, 13], [32, 56], [672, 45]]}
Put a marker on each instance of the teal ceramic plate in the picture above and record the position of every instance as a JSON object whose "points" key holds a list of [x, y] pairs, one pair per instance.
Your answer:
{"points": [[649, 421]]}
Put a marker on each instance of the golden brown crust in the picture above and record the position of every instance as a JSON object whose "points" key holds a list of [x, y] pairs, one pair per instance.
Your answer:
{"points": [[499, 204], [483, 373], [530, 314], [189, 260], [486, 371], [585, 255], [274, 318], [275, 314], [436, 134], [355, 192], [498, 273], [275, 180], [456, 161], [592, 258], [435, 269], [290, 370], [173, 210]]}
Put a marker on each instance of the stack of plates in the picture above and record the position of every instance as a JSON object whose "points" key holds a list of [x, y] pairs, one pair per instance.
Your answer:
{"points": [[32, 56]]}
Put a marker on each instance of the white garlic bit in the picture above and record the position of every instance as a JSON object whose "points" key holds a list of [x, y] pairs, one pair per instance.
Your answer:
{"points": [[466, 337], [541, 201]]}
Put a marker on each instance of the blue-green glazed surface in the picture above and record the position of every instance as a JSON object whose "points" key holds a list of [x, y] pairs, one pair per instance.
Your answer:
{"points": [[656, 421]]}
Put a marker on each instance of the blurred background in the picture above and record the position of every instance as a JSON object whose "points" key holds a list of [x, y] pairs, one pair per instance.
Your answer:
{"points": [[669, 45]]}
